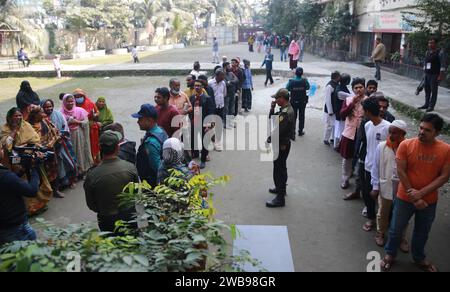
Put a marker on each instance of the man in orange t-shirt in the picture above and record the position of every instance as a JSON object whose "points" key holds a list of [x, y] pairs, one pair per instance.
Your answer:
{"points": [[423, 167]]}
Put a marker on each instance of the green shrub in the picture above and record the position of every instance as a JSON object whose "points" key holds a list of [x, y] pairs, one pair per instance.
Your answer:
{"points": [[177, 232]]}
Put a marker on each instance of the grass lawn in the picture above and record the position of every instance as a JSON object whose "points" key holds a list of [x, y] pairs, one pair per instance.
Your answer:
{"points": [[124, 94], [10, 86], [108, 59], [51, 87]]}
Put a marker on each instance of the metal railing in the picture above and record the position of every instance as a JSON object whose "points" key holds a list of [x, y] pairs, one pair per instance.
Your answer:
{"points": [[333, 54]]}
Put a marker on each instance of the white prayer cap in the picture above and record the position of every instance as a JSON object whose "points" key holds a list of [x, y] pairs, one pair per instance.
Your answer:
{"points": [[399, 124]]}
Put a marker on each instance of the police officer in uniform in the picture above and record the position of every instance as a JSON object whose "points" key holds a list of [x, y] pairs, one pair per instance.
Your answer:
{"points": [[299, 99], [286, 126]]}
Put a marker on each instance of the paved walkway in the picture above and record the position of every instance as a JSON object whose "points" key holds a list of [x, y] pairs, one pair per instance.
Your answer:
{"points": [[399, 88]]}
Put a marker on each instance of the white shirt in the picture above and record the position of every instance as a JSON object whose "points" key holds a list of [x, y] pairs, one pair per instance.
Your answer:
{"points": [[375, 135], [384, 171], [328, 102], [197, 73], [56, 64], [220, 91], [134, 52]]}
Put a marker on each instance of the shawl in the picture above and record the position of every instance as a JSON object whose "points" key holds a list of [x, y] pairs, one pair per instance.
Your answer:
{"points": [[87, 105], [105, 114], [25, 135], [57, 118], [76, 113]]}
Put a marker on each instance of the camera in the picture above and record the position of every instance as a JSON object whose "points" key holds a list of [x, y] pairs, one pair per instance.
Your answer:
{"points": [[29, 156]]}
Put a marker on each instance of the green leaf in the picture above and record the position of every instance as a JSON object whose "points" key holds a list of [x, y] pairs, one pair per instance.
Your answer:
{"points": [[143, 260], [128, 260], [194, 257], [23, 265], [35, 268], [233, 231], [198, 238]]}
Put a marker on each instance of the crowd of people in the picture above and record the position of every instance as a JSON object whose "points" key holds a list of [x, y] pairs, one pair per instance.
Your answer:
{"points": [[89, 145], [291, 47], [398, 178]]}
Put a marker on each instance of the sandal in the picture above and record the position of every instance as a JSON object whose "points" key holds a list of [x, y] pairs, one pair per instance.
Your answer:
{"points": [[368, 226], [386, 263], [345, 185], [379, 239], [404, 246], [427, 266], [351, 196]]}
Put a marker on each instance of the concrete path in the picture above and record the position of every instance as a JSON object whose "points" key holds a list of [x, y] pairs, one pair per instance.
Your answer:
{"points": [[400, 88]]}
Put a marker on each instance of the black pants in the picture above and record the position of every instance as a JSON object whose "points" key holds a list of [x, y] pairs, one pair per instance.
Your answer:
{"points": [[378, 70], [108, 223], [195, 152], [247, 98], [368, 201], [28, 62], [250, 48], [136, 60], [269, 76], [299, 111], [280, 175], [431, 90], [360, 178]]}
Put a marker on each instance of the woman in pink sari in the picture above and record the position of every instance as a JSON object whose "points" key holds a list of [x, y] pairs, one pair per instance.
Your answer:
{"points": [[78, 121], [294, 54]]}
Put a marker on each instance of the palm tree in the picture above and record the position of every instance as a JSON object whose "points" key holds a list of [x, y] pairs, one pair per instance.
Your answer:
{"points": [[31, 35]]}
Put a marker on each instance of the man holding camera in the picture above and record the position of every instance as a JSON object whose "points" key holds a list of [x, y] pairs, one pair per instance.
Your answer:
{"points": [[286, 118], [14, 224]]}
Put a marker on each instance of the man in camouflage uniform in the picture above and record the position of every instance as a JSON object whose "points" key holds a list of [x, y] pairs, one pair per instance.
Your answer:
{"points": [[286, 118]]}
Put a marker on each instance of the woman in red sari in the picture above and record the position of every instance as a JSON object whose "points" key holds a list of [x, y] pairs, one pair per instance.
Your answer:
{"points": [[83, 101]]}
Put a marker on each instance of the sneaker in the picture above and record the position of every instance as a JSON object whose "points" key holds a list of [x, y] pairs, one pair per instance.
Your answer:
{"points": [[364, 212], [218, 147]]}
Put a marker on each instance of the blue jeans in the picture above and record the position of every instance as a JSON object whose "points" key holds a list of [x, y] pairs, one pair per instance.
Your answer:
{"points": [[283, 55], [403, 211], [22, 232]]}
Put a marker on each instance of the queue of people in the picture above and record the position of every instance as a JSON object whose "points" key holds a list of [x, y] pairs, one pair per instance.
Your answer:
{"points": [[397, 177], [88, 143]]}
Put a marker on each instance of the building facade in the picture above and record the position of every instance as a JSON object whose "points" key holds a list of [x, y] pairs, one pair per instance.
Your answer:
{"points": [[384, 19]]}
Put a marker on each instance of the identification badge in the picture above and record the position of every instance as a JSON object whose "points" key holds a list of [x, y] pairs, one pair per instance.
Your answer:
{"points": [[428, 66]]}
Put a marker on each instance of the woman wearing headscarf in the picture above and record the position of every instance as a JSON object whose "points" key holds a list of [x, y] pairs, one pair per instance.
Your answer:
{"points": [[26, 99], [83, 101], [49, 136], [105, 116], [77, 119], [172, 158], [18, 132], [65, 154], [294, 55]]}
